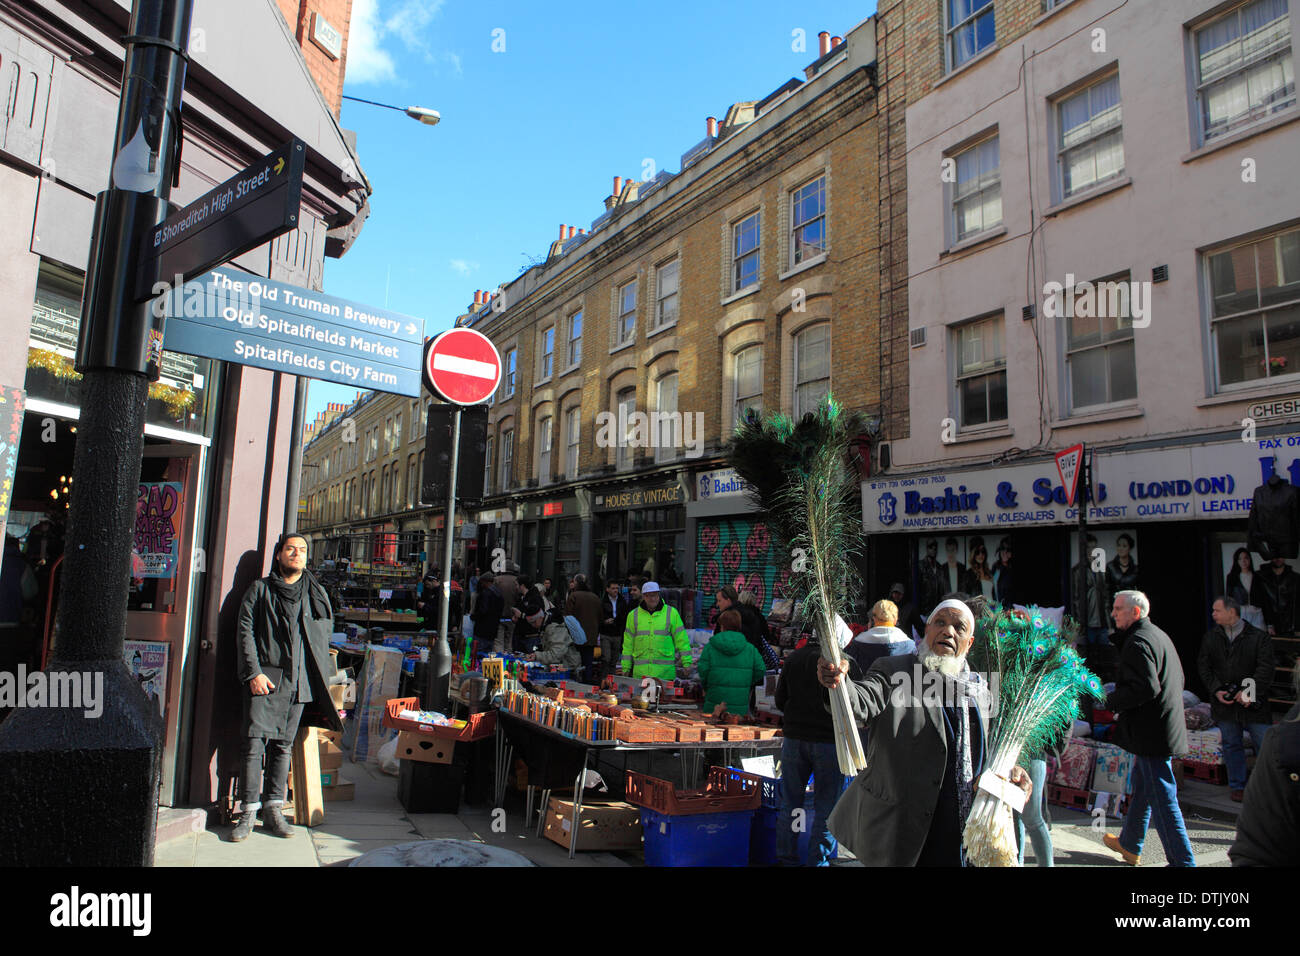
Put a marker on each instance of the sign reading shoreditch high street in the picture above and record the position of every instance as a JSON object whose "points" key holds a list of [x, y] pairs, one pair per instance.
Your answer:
{"points": [[237, 317]]}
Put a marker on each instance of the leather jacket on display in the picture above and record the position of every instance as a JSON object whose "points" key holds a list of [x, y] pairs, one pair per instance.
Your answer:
{"points": [[1277, 594], [1274, 529]]}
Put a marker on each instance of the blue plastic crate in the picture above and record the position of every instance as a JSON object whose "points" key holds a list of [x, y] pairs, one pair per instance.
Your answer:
{"points": [[771, 788], [762, 833], [698, 839]]}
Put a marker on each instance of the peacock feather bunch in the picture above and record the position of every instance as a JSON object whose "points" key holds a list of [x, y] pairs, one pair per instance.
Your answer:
{"points": [[1040, 679], [801, 475]]}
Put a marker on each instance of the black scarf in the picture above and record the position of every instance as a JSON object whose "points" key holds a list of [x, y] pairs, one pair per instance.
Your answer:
{"points": [[288, 597]]}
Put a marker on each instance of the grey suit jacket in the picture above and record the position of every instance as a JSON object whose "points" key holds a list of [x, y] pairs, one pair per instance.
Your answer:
{"points": [[884, 817]]}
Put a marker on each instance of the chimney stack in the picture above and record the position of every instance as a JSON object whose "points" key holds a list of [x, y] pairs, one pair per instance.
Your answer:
{"points": [[618, 186], [712, 124], [824, 42], [836, 41]]}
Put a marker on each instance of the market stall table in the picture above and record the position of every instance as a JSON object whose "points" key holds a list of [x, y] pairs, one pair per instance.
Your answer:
{"points": [[515, 728]]}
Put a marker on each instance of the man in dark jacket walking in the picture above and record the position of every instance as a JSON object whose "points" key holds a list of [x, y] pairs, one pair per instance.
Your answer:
{"points": [[1148, 698], [285, 623], [1268, 830], [489, 608], [1236, 665], [808, 749]]}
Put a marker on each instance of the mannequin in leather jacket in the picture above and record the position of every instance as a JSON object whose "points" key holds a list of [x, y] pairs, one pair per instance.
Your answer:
{"points": [[1277, 588]]}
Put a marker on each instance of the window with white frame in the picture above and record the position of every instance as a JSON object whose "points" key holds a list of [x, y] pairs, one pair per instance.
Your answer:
{"points": [[812, 368], [748, 378], [977, 192], [397, 487], [388, 440], [374, 494], [1245, 72], [548, 353], [509, 376], [487, 466], [545, 436], [626, 408], [666, 303], [415, 420], [808, 221], [668, 423], [981, 372], [572, 428], [744, 259], [397, 432], [412, 482], [1090, 145], [574, 350], [625, 328], [1100, 364], [1255, 309], [374, 444], [970, 29], [507, 459]]}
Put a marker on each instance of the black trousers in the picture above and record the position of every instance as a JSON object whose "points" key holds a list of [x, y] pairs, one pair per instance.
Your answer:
{"points": [[273, 785]]}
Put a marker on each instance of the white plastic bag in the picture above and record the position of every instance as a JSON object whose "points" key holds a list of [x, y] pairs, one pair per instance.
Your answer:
{"points": [[388, 762]]}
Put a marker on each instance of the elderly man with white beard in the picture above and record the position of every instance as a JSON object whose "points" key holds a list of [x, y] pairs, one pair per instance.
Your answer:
{"points": [[927, 716]]}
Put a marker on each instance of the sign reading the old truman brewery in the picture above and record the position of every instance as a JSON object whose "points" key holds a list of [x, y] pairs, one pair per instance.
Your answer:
{"points": [[237, 317], [1196, 481]]}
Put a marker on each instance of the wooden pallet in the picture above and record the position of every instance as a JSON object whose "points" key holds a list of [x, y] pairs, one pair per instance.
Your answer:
{"points": [[1209, 772], [1068, 797]]}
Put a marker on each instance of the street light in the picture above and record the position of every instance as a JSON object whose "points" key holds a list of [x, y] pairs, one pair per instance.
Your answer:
{"points": [[426, 116]]}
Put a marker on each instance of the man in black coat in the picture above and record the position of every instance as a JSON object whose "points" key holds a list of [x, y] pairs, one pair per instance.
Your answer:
{"points": [[1236, 665], [489, 608], [1268, 830], [1278, 587], [285, 624], [614, 609], [1148, 699]]}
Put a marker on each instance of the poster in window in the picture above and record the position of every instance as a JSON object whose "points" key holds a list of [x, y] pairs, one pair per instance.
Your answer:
{"points": [[156, 550], [147, 662]]}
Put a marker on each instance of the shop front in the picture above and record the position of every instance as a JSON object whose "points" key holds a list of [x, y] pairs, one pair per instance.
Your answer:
{"points": [[550, 539], [1168, 521], [640, 530], [731, 543]]}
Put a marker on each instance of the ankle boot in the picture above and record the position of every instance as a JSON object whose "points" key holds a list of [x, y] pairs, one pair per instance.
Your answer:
{"points": [[275, 824], [244, 827]]}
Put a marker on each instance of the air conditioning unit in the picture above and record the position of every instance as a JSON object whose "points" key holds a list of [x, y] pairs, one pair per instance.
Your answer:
{"points": [[917, 339]]}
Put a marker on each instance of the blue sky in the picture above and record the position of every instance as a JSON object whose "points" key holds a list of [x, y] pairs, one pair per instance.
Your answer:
{"points": [[532, 136]]}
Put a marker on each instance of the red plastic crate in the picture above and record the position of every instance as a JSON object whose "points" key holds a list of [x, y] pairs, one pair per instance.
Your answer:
{"points": [[1067, 797], [477, 726], [1209, 772], [724, 791]]}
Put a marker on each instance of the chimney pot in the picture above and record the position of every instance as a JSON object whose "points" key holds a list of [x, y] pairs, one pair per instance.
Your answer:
{"points": [[836, 41], [618, 185], [573, 230], [478, 296], [712, 124], [824, 42], [563, 227]]}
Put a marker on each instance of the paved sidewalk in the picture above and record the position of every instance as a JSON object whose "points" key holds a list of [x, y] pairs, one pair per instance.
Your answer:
{"points": [[373, 819]]}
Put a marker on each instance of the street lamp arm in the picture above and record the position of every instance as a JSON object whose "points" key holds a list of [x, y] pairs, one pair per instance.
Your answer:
{"points": [[424, 115]]}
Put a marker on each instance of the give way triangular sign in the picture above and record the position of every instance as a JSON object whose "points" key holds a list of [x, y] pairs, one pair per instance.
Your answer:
{"points": [[1069, 463]]}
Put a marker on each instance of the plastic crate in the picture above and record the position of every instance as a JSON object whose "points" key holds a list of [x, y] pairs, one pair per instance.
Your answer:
{"points": [[699, 839], [724, 791], [1067, 797], [477, 726], [1209, 772], [770, 788]]}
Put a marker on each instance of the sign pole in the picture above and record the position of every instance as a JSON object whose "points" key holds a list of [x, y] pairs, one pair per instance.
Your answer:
{"points": [[442, 650], [50, 754], [1085, 559]]}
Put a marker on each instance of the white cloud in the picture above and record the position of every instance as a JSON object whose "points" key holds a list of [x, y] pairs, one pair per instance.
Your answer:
{"points": [[370, 56], [463, 266], [368, 61]]}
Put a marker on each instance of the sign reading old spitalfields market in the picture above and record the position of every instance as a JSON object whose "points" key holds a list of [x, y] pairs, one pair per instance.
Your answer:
{"points": [[237, 317]]}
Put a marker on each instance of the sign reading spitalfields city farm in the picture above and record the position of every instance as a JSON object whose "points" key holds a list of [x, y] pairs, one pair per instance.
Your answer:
{"points": [[1196, 481], [236, 317]]}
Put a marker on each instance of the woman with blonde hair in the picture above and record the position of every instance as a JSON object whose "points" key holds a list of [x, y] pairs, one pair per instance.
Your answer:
{"points": [[883, 639]]}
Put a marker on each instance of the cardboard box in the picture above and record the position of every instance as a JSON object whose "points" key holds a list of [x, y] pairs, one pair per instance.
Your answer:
{"points": [[330, 778], [332, 761], [601, 826], [345, 790], [425, 748]]}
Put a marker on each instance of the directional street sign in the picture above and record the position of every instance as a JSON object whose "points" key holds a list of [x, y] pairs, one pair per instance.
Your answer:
{"points": [[463, 366], [1069, 465], [237, 317], [252, 207]]}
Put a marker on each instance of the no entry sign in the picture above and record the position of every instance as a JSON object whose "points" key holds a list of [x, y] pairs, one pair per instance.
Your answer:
{"points": [[463, 366]]}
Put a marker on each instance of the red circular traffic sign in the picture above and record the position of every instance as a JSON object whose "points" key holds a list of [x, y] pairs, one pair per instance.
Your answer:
{"points": [[463, 366]]}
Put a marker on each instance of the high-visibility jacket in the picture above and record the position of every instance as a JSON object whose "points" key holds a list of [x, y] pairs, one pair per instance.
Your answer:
{"points": [[655, 644]]}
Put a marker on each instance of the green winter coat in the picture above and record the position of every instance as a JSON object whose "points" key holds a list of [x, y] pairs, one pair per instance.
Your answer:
{"points": [[729, 667]]}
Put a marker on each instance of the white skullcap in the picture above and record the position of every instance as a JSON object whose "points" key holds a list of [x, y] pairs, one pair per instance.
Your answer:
{"points": [[956, 605]]}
